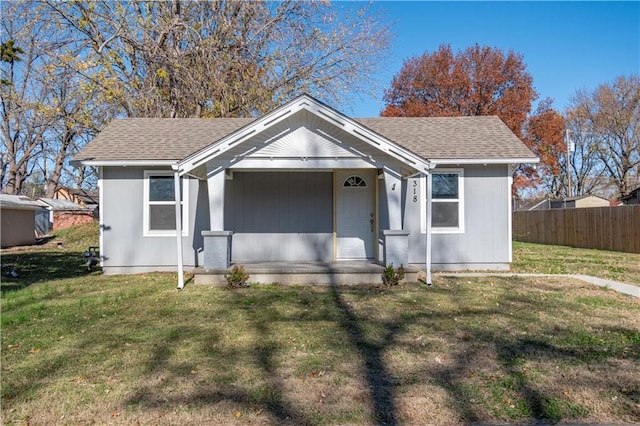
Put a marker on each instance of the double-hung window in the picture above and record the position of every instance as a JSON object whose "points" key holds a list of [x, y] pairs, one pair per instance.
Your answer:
{"points": [[447, 202], [160, 204]]}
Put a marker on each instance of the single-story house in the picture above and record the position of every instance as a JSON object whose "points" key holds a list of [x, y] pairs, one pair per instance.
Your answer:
{"points": [[305, 183], [578, 202], [631, 198], [83, 197], [64, 214], [18, 220]]}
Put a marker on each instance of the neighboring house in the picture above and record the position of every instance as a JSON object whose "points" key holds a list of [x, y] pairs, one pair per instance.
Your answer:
{"points": [[84, 198], [18, 220], [632, 198], [305, 183], [578, 202], [64, 214]]}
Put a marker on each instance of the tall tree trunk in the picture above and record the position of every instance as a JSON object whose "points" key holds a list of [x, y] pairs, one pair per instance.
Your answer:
{"points": [[53, 182]]}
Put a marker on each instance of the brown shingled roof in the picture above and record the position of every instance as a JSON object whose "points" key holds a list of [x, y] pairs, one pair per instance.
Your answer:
{"points": [[479, 137], [157, 138]]}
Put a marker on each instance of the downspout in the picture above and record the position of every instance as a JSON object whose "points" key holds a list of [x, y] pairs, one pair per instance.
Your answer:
{"points": [[428, 231], [178, 198]]}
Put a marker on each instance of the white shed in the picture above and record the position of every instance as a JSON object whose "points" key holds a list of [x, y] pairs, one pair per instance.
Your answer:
{"points": [[17, 220]]}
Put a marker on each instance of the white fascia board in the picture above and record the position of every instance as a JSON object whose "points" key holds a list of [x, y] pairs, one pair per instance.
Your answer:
{"points": [[126, 163], [452, 161], [304, 102], [197, 159], [377, 141]]}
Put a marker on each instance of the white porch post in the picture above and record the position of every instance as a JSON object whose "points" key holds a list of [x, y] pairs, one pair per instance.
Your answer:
{"points": [[396, 240], [178, 198], [393, 187], [429, 181], [215, 188], [217, 241]]}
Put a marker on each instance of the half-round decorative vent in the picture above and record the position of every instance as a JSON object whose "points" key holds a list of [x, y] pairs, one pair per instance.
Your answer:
{"points": [[354, 181]]}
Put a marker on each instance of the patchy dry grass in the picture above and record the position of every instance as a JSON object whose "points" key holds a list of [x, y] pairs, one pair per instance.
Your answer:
{"points": [[549, 259], [133, 350], [81, 348]]}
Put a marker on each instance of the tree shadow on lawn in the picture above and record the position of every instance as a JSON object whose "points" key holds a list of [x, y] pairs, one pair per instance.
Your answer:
{"points": [[473, 340], [513, 387], [267, 397], [264, 353], [36, 266], [380, 383]]}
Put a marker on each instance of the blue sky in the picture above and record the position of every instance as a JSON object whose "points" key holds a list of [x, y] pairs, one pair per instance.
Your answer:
{"points": [[566, 45]]}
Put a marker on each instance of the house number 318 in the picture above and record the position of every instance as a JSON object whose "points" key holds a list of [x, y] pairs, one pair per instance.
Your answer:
{"points": [[415, 191]]}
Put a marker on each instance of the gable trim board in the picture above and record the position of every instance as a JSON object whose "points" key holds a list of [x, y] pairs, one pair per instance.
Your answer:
{"points": [[216, 157], [316, 108]]}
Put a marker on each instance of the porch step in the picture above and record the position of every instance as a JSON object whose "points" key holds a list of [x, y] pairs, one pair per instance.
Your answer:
{"points": [[303, 273]]}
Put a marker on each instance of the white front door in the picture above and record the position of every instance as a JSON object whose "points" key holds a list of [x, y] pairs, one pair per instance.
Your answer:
{"points": [[355, 214]]}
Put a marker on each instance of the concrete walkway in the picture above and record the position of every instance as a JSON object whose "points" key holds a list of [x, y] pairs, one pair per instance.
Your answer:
{"points": [[614, 285]]}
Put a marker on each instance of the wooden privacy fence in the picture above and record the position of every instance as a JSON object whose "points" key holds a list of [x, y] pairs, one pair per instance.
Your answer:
{"points": [[605, 228]]}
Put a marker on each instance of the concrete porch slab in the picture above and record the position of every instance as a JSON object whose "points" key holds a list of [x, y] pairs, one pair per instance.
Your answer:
{"points": [[303, 273]]}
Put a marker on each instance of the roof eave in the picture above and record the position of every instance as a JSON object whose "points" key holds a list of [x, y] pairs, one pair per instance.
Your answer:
{"points": [[13, 206], [124, 163], [511, 160]]}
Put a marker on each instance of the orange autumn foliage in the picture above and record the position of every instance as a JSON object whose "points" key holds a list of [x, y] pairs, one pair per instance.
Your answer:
{"points": [[545, 137], [477, 81]]}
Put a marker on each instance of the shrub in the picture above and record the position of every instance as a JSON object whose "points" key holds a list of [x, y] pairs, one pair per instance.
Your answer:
{"points": [[392, 276], [237, 277]]}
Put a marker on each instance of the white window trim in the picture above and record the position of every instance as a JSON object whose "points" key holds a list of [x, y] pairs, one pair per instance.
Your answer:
{"points": [[423, 206], [146, 232]]}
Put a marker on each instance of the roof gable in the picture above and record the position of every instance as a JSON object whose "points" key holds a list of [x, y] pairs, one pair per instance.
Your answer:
{"points": [[295, 140], [315, 110]]}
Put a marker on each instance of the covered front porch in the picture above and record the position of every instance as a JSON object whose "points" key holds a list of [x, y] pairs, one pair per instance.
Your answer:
{"points": [[303, 189]]}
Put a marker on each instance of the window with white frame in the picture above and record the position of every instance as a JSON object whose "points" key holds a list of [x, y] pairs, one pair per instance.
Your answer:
{"points": [[447, 201], [160, 205]]}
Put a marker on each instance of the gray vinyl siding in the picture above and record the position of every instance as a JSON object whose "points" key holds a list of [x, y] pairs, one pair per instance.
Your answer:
{"points": [[485, 240], [124, 245], [280, 215]]}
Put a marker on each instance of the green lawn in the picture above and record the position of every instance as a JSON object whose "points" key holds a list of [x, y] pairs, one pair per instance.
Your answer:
{"points": [[548, 259], [79, 348]]}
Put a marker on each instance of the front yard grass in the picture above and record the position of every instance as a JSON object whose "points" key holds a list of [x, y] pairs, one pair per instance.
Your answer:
{"points": [[133, 350], [549, 259], [78, 347]]}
